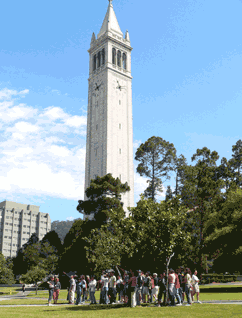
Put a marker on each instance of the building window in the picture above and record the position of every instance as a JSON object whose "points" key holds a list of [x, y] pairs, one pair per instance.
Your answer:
{"points": [[98, 59], [96, 126], [120, 177], [96, 152], [120, 126], [120, 102], [120, 151], [94, 62], [114, 56], [124, 61], [119, 58], [103, 56]]}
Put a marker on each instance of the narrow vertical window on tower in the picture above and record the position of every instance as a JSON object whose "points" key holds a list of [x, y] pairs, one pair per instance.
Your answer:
{"points": [[119, 58], [124, 61], [98, 59], [120, 151], [114, 56], [103, 56], [94, 62]]}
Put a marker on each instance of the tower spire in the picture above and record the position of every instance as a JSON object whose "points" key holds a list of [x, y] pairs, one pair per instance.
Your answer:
{"points": [[110, 22]]}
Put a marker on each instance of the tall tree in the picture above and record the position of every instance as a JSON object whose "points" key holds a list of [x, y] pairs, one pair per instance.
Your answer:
{"points": [[156, 157], [104, 194], [202, 194], [169, 193], [236, 162], [180, 164]]}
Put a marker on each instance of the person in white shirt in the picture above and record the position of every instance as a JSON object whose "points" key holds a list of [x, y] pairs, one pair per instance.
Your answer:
{"points": [[92, 289], [195, 282], [188, 282], [105, 281]]}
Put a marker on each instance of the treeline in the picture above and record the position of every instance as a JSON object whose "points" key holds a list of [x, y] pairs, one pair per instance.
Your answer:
{"points": [[200, 221]]}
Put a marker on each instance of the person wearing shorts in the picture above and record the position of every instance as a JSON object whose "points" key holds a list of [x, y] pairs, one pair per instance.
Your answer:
{"points": [[195, 282]]}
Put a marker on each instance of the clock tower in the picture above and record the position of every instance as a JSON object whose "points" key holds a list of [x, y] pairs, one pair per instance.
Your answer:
{"points": [[109, 145]]}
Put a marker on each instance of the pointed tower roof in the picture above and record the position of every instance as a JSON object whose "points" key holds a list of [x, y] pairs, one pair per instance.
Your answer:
{"points": [[110, 22]]}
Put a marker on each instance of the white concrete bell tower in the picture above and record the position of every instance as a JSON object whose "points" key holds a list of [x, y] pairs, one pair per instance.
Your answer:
{"points": [[109, 147]]}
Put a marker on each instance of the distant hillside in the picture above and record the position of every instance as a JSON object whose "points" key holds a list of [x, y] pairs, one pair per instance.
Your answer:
{"points": [[62, 228]]}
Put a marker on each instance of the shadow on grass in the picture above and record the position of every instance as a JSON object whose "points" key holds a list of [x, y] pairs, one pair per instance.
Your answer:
{"points": [[93, 307]]}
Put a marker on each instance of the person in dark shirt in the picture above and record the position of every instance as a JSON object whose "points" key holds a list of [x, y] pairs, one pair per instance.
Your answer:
{"points": [[181, 275], [162, 290], [139, 288]]}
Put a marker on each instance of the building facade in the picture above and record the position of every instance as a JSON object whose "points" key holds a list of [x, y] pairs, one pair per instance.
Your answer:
{"points": [[17, 223], [109, 145]]}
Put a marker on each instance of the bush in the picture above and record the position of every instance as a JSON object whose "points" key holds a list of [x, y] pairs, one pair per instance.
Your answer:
{"points": [[217, 278]]}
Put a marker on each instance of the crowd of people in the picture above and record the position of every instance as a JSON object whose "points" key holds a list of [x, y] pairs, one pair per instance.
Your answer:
{"points": [[131, 289]]}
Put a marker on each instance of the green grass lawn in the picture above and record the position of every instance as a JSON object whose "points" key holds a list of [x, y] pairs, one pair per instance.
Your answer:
{"points": [[9, 290], [97, 312], [219, 286]]}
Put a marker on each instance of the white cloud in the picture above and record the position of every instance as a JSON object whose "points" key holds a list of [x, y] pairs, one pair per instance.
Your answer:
{"points": [[37, 157], [7, 94], [69, 218], [76, 121]]}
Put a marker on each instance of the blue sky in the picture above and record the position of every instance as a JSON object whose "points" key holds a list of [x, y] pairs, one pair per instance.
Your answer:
{"points": [[187, 88]]}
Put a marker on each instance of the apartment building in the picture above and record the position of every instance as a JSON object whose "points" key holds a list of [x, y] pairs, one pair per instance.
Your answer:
{"points": [[17, 223]]}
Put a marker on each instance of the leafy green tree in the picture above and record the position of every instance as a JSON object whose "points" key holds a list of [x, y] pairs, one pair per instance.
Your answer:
{"points": [[224, 244], [34, 275], [104, 194], [6, 273], [151, 232], [156, 157]]}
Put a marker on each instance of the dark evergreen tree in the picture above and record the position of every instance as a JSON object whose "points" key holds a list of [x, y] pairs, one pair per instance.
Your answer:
{"points": [[169, 193], [104, 194]]}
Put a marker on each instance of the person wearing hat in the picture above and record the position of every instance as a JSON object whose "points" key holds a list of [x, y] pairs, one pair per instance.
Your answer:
{"points": [[139, 285], [92, 289], [155, 289], [57, 288], [51, 284]]}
